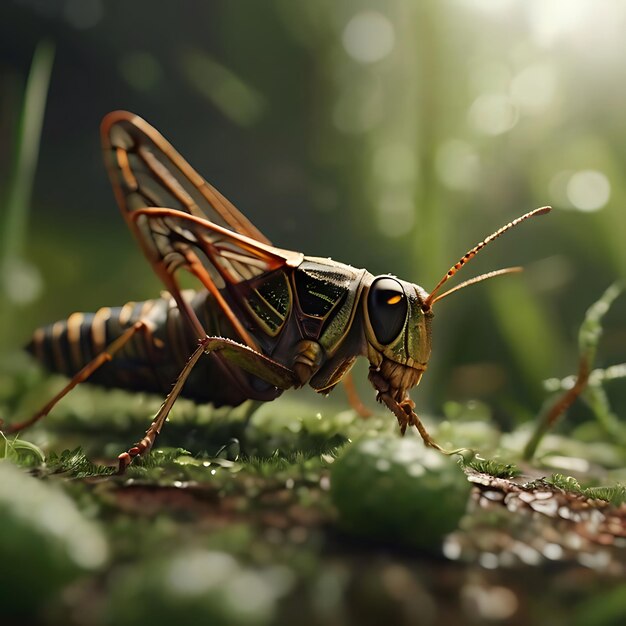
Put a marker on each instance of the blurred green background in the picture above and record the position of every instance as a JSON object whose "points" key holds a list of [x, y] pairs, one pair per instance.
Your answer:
{"points": [[391, 135]]}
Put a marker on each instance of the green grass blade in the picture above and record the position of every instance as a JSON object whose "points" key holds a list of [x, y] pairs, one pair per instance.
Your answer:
{"points": [[588, 339], [15, 274], [27, 151]]}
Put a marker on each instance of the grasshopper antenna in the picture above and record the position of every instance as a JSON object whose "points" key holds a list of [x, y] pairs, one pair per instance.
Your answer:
{"points": [[431, 299]]}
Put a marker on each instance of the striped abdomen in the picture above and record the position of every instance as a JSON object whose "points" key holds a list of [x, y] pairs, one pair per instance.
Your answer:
{"points": [[150, 361]]}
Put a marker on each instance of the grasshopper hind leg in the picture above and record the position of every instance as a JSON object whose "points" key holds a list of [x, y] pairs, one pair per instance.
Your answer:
{"points": [[235, 353], [277, 377], [82, 375], [145, 444]]}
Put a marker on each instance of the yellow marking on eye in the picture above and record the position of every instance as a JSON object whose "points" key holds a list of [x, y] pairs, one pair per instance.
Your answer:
{"points": [[394, 299]]}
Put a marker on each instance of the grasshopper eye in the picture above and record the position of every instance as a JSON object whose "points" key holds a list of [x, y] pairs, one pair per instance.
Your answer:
{"points": [[387, 308]]}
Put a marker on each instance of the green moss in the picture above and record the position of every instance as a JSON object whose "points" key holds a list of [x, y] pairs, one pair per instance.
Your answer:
{"points": [[614, 494], [493, 468], [397, 490], [76, 464]]}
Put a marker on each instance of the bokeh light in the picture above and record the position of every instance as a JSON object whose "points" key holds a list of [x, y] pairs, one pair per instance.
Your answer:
{"points": [[588, 190], [368, 37], [534, 88], [458, 165], [493, 114]]}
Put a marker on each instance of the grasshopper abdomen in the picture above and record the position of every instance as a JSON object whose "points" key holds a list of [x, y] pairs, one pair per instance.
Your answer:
{"points": [[151, 359]]}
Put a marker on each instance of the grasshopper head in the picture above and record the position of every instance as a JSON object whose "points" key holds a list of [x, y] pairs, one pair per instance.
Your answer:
{"points": [[398, 320], [397, 329]]}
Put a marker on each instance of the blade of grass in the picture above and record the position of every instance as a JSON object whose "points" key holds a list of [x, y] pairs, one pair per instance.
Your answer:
{"points": [[588, 338], [20, 452], [25, 162]]}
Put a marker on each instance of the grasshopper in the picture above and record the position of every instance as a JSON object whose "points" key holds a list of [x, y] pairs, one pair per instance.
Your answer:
{"points": [[266, 320]]}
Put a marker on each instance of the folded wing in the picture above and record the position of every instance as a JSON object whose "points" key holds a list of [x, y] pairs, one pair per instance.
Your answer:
{"points": [[183, 222]]}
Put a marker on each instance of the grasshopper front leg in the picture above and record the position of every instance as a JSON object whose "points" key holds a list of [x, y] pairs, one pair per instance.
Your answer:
{"points": [[406, 416], [244, 357], [404, 409]]}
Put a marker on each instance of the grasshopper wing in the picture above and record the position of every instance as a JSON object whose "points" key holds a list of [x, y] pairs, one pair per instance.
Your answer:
{"points": [[146, 171], [180, 220], [217, 256]]}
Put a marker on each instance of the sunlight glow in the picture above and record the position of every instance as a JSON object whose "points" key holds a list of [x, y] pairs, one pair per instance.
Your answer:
{"points": [[534, 88], [368, 37], [551, 19], [493, 114], [588, 190]]}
